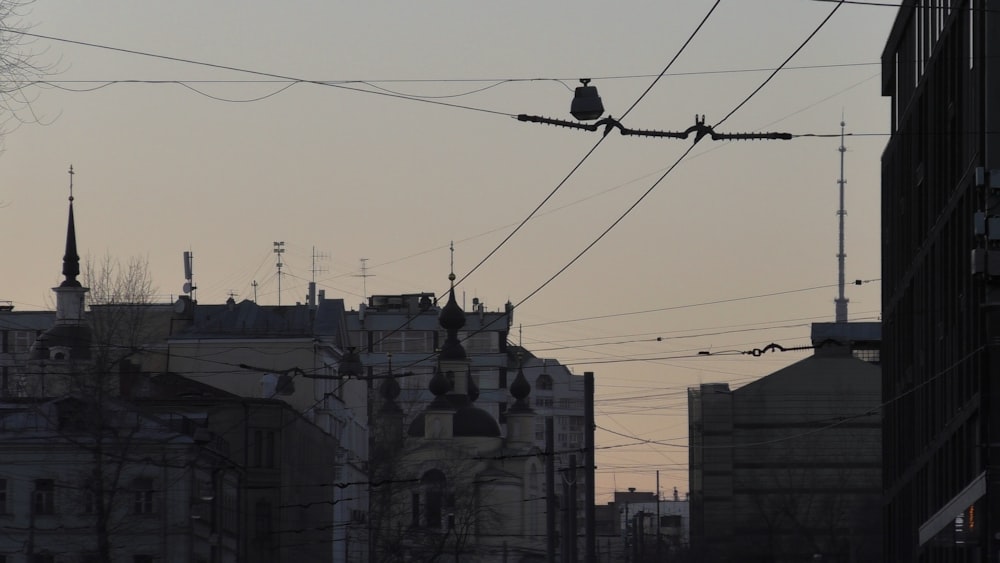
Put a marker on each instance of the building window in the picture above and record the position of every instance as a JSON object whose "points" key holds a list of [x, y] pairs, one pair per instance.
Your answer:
{"points": [[434, 485], [43, 558], [142, 496], [403, 341], [22, 341], [263, 449], [670, 521], [44, 496], [543, 401], [485, 342], [142, 559], [544, 382], [3, 498]]}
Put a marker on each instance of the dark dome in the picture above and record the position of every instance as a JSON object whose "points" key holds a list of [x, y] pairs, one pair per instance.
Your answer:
{"points": [[474, 421], [452, 317], [74, 338], [468, 421]]}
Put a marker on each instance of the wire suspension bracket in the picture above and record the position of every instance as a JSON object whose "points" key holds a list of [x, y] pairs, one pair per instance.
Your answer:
{"points": [[699, 129]]}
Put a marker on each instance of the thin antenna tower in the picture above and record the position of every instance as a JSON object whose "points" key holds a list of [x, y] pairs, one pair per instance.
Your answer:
{"points": [[364, 275], [841, 301], [311, 296], [315, 270], [279, 249], [254, 284]]}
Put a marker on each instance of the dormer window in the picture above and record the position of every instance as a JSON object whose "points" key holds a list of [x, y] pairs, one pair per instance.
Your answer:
{"points": [[544, 382], [59, 353]]}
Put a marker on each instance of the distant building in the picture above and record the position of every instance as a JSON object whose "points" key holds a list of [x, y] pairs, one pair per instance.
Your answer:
{"points": [[451, 484], [647, 528], [401, 334], [18, 331], [788, 468]]}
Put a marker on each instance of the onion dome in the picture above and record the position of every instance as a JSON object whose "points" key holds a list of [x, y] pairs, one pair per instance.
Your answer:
{"points": [[520, 389], [452, 319], [439, 386], [475, 422], [390, 391]]}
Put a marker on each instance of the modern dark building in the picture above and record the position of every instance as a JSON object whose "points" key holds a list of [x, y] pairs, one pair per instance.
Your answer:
{"points": [[941, 290]]}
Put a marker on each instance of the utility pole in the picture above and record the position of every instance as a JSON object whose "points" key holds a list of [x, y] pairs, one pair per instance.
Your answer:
{"points": [[550, 493], [628, 525], [659, 554], [590, 530]]}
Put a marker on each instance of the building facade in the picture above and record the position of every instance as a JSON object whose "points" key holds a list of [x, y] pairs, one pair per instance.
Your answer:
{"points": [[788, 468], [82, 480], [295, 354], [940, 265]]}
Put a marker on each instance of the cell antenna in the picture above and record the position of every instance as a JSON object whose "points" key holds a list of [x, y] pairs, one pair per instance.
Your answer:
{"points": [[189, 286], [364, 275], [279, 249]]}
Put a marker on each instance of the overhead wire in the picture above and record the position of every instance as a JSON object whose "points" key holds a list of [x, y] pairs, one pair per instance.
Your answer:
{"points": [[340, 86], [586, 156]]}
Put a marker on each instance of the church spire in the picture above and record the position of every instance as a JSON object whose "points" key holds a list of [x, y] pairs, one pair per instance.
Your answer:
{"points": [[71, 260]]}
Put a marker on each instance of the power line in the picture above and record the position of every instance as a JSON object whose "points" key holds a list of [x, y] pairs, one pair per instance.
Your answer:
{"points": [[249, 71]]}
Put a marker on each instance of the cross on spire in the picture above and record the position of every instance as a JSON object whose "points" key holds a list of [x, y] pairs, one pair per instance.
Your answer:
{"points": [[71, 182]]}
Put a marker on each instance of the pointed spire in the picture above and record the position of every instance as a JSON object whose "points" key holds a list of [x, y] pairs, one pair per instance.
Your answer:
{"points": [[71, 260]]}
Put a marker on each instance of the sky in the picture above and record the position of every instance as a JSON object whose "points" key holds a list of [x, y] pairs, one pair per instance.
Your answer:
{"points": [[381, 133]]}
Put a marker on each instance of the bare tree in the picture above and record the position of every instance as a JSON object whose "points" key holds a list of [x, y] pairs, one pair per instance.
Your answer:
{"points": [[121, 319], [20, 65]]}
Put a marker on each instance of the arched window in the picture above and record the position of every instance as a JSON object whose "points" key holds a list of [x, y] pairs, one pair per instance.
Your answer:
{"points": [[544, 382], [434, 485]]}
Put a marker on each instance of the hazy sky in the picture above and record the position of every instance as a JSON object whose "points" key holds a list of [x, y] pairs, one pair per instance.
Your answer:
{"points": [[734, 249]]}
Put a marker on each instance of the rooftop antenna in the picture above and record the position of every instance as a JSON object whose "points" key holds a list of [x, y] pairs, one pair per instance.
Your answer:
{"points": [[364, 275], [279, 249], [189, 286], [841, 301], [311, 297]]}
